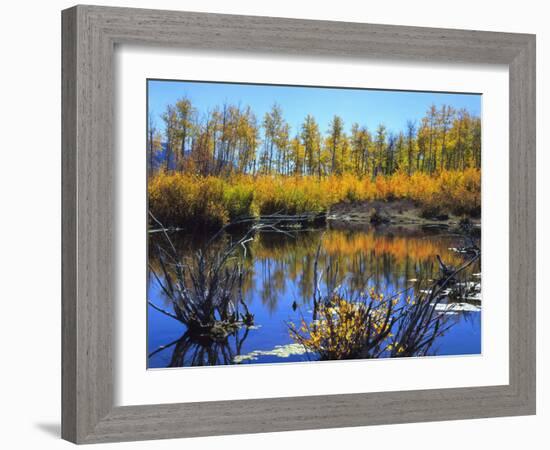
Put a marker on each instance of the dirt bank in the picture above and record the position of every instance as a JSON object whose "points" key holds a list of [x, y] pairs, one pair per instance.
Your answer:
{"points": [[398, 212]]}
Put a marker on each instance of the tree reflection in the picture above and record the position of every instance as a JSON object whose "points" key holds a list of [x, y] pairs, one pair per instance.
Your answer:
{"points": [[278, 270], [369, 324], [384, 261], [190, 350]]}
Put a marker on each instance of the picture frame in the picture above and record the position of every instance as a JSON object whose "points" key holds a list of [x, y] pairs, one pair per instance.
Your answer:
{"points": [[90, 35]]}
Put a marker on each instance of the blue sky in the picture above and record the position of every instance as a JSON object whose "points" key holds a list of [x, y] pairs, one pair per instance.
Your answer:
{"points": [[367, 107]]}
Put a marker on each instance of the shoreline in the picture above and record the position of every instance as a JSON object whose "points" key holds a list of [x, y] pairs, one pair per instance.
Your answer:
{"points": [[393, 213]]}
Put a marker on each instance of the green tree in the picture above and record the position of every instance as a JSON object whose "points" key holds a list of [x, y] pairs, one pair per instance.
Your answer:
{"points": [[154, 143], [379, 151], [273, 125], [184, 123], [410, 145], [336, 130], [172, 135], [311, 140]]}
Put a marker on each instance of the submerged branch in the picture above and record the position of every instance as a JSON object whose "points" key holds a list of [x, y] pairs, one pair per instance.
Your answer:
{"points": [[371, 326], [206, 290]]}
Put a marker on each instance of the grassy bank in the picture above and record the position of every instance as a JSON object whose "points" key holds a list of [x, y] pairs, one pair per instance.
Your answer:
{"points": [[191, 201]]}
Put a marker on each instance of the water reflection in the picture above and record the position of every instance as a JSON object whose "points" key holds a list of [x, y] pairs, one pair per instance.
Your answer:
{"points": [[189, 351], [278, 287], [380, 260]]}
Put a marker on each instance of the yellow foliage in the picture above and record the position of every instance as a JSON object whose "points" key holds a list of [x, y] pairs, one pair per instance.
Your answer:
{"points": [[178, 199], [181, 199], [343, 329]]}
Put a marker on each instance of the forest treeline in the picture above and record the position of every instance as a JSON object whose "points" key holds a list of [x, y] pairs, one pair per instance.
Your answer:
{"points": [[231, 139], [207, 169]]}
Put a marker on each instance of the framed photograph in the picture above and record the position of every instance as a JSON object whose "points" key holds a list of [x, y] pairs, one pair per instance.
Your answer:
{"points": [[276, 224]]}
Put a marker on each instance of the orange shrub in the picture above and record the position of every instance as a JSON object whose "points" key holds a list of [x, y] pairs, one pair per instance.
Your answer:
{"points": [[185, 200]]}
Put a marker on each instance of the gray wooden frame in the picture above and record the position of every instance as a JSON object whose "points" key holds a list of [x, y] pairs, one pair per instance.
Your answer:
{"points": [[90, 34]]}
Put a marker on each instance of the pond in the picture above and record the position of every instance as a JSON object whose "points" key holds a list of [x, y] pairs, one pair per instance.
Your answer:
{"points": [[279, 282]]}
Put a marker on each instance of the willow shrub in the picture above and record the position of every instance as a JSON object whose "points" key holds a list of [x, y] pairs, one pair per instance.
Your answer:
{"points": [[346, 329], [192, 201], [238, 199], [450, 192], [188, 201], [291, 195]]}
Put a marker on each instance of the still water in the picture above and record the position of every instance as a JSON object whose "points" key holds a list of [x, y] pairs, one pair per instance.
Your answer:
{"points": [[278, 289]]}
